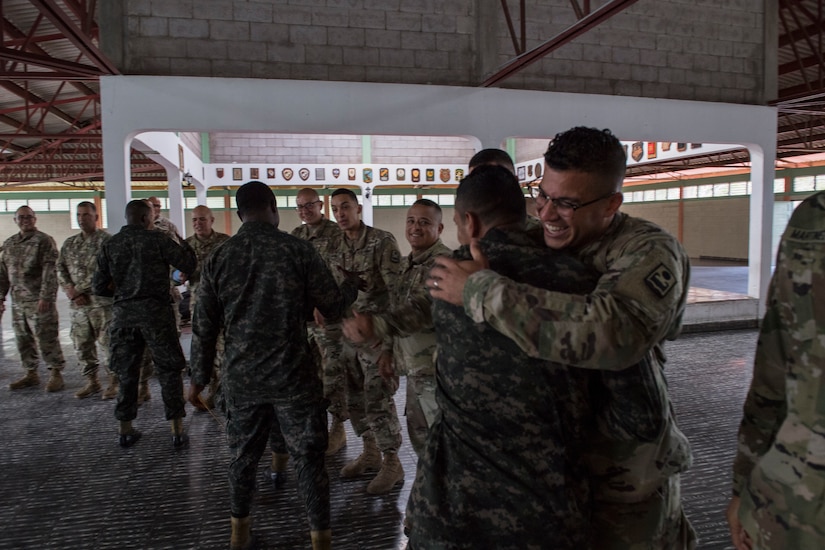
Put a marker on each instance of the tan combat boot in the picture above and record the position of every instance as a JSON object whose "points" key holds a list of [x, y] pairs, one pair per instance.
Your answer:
{"points": [[91, 388], [111, 391], [241, 534], [321, 540], [143, 393], [337, 437], [179, 437], [55, 382], [390, 475], [31, 378], [369, 459]]}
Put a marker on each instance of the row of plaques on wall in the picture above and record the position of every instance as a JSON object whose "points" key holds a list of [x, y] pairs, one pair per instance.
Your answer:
{"points": [[367, 175]]}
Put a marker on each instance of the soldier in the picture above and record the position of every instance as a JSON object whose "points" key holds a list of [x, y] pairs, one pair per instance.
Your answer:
{"points": [[492, 157], [27, 268], [133, 266], [91, 314], [779, 470], [325, 236], [147, 366], [259, 286], [409, 320], [372, 254], [500, 448], [203, 242], [637, 451]]}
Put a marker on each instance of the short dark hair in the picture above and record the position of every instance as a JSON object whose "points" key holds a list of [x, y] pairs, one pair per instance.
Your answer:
{"points": [[347, 192], [88, 204], [429, 203], [496, 157], [493, 194], [136, 209], [589, 150], [254, 196]]}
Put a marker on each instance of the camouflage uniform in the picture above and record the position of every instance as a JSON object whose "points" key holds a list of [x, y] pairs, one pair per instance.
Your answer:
{"points": [[498, 470], [636, 451], [409, 323], [90, 323], [27, 269], [147, 367], [202, 248], [779, 471], [327, 239], [134, 267], [259, 286], [377, 260]]}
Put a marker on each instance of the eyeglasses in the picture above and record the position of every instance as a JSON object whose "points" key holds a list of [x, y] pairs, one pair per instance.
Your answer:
{"points": [[306, 206], [565, 207]]}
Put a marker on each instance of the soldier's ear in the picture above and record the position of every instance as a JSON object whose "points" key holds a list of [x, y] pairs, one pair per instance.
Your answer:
{"points": [[473, 225]]}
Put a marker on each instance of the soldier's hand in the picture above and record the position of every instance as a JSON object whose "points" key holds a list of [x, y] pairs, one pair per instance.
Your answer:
{"points": [[355, 278], [194, 396], [71, 292], [81, 299], [740, 538], [183, 278], [359, 330], [43, 306], [385, 366], [448, 276]]}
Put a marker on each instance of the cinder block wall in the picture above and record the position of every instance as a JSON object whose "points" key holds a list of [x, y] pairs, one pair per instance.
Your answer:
{"points": [[681, 49]]}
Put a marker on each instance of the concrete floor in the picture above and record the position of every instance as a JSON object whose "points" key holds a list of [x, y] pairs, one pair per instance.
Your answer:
{"points": [[67, 484]]}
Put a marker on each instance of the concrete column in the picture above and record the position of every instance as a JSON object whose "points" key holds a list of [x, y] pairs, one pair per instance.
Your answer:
{"points": [[761, 224], [118, 177], [366, 204], [176, 199]]}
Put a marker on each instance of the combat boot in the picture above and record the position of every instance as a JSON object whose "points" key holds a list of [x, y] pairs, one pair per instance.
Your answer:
{"points": [[369, 459], [91, 388], [55, 382], [111, 391], [321, 540], [143, 393], [179, 437], [127, 435], [389, 476], [31, 378], [241, 534], [278, 469], [337, 437]]}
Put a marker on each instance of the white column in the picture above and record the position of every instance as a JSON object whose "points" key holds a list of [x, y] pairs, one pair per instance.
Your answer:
{"points": [[761, 223], [176, 199], [366, 204], [200, 193], [118, 178]]}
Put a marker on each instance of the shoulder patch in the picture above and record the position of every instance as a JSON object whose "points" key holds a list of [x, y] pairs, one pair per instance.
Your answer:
{"points": [[660, 280], [395, 257]]}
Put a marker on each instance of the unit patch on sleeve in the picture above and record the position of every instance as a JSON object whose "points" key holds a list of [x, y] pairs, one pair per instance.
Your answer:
{"points": [[660, 280]]}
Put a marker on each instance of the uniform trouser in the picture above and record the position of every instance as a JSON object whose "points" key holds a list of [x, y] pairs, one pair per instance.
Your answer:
{"points": [[147, 366], [33, 330], [127, 345], [330, 344], [304, 427], [657, 523], [370, 402], [90, 326], [421, 408]]}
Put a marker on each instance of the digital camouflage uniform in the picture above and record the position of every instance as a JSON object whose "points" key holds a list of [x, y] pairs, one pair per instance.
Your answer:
{"points": [[409, 324], [258, 286], [27, 269], [147, 368], [90, 323], [501, 468], [375, 257], [203, 248], [637, 451], [779, 471], [134, 266], [326, 239]]}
